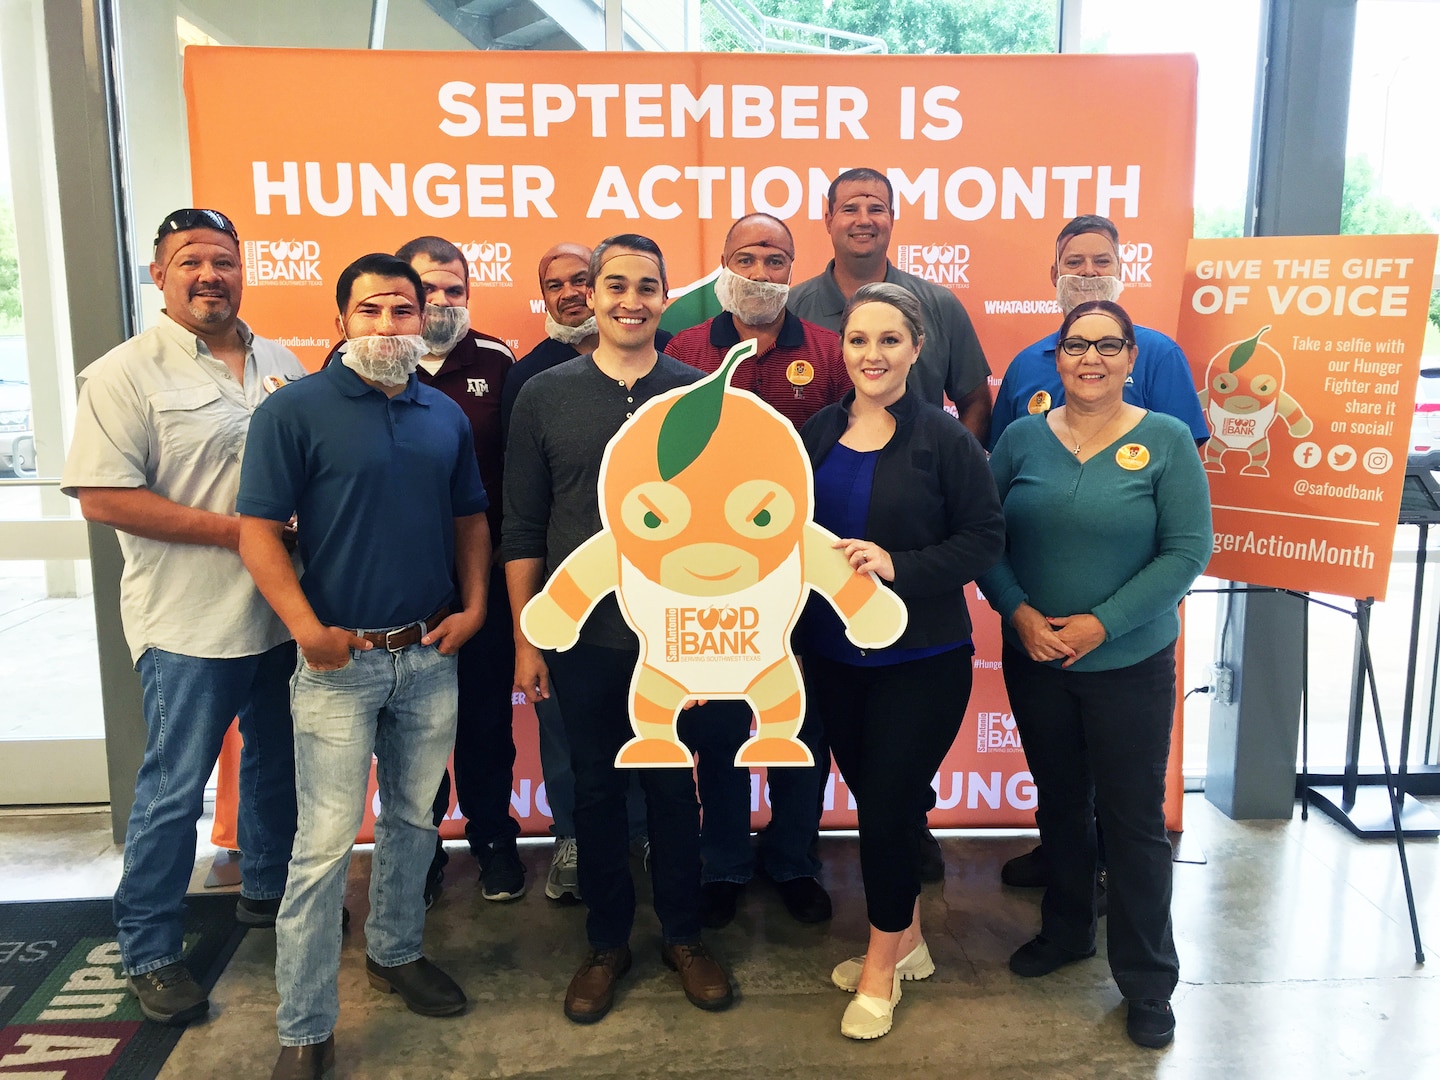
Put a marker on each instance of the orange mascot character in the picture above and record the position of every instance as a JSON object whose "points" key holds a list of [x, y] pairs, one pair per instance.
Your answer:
{"points": [[1244, 392], [706, 497]]}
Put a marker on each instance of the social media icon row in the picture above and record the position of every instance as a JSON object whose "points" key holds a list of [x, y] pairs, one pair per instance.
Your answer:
{"points": [[1342, 458]]}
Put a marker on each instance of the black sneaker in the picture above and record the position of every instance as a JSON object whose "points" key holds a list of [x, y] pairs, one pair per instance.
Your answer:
{"points": [[502, 874], [1039, 956], [806, 899], [257, 914], [170, 995], [1150, 1023], [434, 885], [717, 903], [1028, 871], [435, 876], [932, 859]]}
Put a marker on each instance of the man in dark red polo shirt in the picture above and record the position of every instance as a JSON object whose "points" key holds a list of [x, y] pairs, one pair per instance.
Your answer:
{"points": [[470, 368], [798, 371], [797, 368]]}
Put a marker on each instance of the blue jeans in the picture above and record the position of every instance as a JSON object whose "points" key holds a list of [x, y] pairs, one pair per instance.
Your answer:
{"points": [[401, 706], [189, 703], [560, 777], [787, 845]]}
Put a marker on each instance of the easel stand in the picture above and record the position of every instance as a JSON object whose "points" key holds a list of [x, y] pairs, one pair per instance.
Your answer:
{"points": [[1334, 800], [1366, 811], [1348, 803]]}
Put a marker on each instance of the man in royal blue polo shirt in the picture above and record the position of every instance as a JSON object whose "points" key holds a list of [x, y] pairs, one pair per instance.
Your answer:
{"points": [[380, 473], [797, 370], [1087, 267], [470, 369]]}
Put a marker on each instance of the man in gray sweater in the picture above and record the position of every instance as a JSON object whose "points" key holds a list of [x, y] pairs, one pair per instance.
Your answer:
{"points": [[562, 421]]}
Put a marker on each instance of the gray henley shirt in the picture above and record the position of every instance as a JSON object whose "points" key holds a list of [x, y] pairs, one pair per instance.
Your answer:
{"points": [[562, 422]]}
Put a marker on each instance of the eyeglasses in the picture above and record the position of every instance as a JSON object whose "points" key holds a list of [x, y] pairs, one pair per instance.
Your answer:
{"points": [[181, 220], [1106, 346]]}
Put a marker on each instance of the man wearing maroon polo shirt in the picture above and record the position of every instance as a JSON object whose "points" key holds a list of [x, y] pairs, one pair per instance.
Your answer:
{"points": [[470, 368], [797, 370]]}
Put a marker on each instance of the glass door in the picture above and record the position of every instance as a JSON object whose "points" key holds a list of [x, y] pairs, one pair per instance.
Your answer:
{"points": [[52, 735]]}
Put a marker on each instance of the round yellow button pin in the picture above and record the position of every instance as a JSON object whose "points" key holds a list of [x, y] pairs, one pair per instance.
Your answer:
{"points": [[1132, 456], [1039, 402], [800, 372]]}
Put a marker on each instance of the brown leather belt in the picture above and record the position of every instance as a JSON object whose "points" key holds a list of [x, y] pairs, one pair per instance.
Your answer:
{"points": [[405, 636]]}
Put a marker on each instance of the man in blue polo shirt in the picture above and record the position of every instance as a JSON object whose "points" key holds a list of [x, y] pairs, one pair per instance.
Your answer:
{"points": [[380, 473], [1087, 267]]}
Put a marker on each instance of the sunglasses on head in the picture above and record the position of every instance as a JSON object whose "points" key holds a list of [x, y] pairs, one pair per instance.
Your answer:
{"points": [[182, 220]]}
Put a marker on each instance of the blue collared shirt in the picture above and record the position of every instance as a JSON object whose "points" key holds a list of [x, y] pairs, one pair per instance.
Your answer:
{"points": [[1161, 381], [375, 482]]}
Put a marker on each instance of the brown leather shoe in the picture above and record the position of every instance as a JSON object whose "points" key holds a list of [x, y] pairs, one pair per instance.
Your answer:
{"points": [[305, 1062], [592, 990], [705, 982]]}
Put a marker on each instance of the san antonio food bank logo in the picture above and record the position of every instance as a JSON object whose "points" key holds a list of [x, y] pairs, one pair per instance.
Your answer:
{"points": [[282, 262], [1135, 260], [693, 633], [944, 264], [489, 263]]}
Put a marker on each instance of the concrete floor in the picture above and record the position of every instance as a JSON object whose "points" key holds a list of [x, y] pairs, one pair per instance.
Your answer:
{"points": [[1293, 937]]}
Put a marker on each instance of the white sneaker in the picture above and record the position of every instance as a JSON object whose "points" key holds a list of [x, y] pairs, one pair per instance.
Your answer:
{"points": [[916, 964], [869, 1017], [563, 881]]}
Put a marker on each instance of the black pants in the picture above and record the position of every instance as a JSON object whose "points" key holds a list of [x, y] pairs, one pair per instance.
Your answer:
{"points": [[788, 844], [484, 733], [890, 728], [594, 684], [1098, 743]]}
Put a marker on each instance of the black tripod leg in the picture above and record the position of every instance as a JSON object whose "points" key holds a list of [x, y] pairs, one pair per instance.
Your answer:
{"points": [[1395, 796], [1305, 711]]}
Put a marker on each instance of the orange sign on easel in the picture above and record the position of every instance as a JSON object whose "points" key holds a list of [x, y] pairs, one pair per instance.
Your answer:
{"points": [[1306, 351]]}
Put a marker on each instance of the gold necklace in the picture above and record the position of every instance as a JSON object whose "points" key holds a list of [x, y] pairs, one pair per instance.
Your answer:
{"points": [[1070, 431]]}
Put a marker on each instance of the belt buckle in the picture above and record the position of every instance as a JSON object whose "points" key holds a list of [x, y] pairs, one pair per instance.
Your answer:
{"points": [[390, 633]]}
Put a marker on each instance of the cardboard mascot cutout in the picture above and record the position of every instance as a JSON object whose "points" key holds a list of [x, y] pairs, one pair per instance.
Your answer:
{"points": [[706, 499]]}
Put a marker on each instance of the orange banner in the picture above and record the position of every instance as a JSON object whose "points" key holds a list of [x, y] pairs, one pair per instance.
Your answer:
{"points": [[1306, 351], [505, 154]]}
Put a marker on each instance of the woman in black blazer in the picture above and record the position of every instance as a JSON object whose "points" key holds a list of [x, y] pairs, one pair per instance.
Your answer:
{"points": [[907, 489]]}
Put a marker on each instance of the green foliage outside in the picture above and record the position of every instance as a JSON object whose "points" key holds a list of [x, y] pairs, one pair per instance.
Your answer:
{"points": [[9, 270], [913, 26], [1366, 211], [1214, 223]]}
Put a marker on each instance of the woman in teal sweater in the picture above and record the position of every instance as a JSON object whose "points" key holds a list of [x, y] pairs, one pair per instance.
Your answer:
{"points": [[1107, 522]]}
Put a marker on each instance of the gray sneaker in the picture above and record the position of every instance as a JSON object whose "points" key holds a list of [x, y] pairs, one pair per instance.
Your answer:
{"points": [[170, 995], [563, 882]]}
